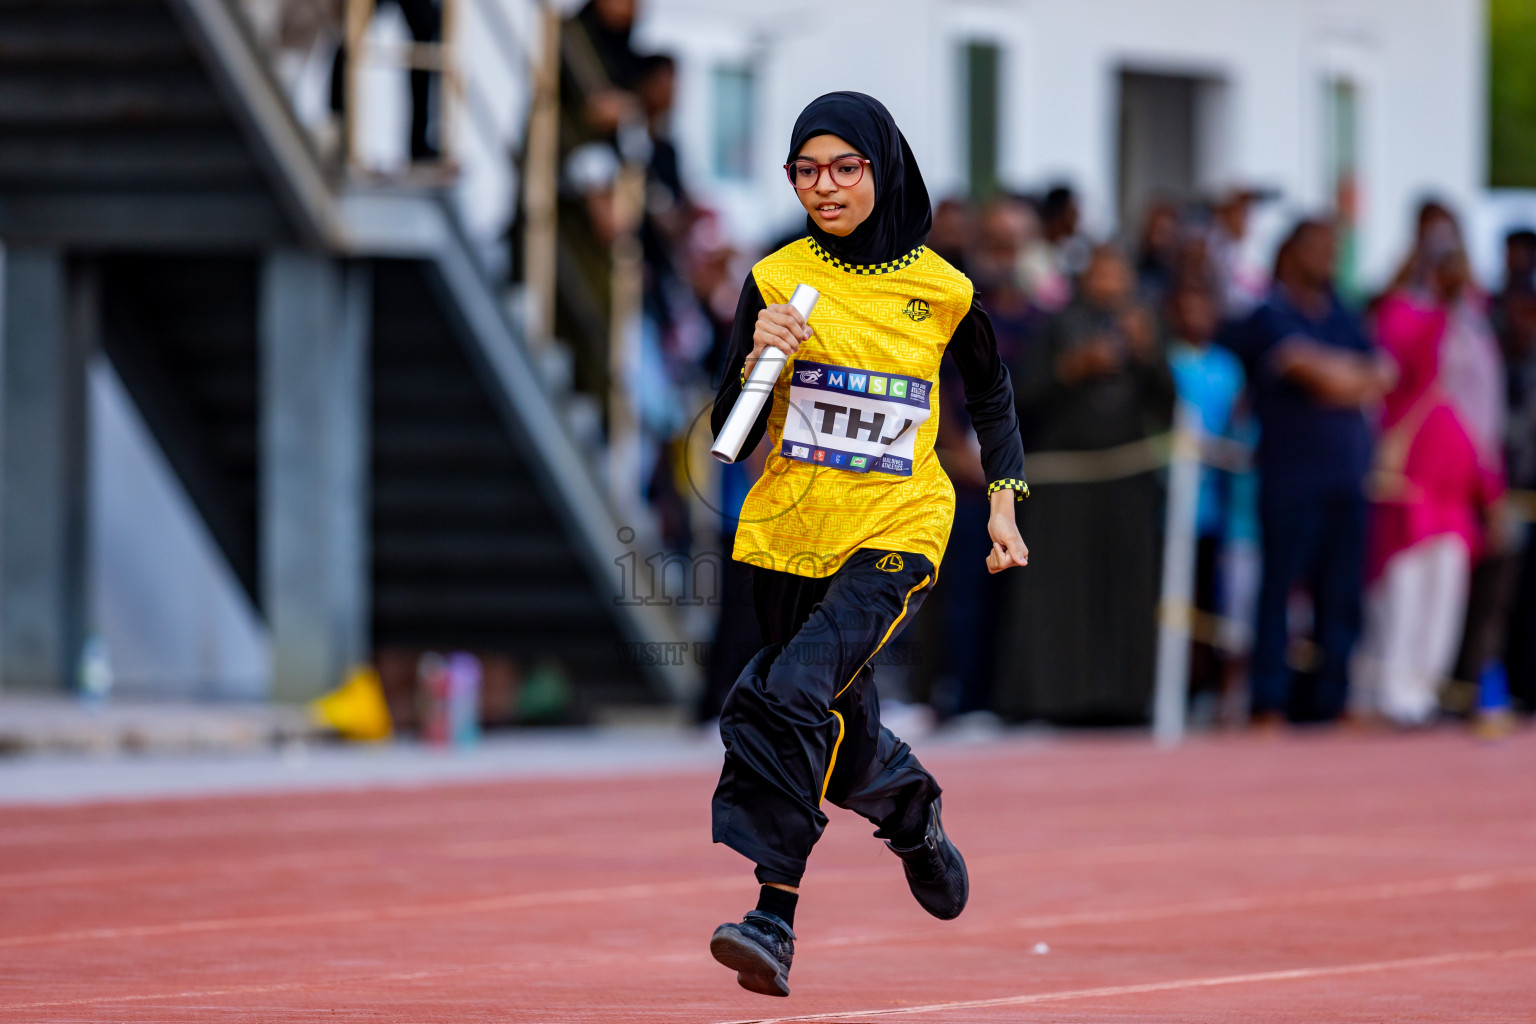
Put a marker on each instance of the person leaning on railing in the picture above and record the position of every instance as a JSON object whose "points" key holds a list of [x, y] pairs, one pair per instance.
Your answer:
{"points": [[602, 127]]}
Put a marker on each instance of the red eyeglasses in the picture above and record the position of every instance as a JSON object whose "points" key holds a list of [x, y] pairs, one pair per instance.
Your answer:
{"points": [[846, 171]]}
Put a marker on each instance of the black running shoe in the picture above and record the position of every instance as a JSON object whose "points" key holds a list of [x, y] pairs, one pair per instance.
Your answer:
{"points": [[935, 870], [759, 950]]}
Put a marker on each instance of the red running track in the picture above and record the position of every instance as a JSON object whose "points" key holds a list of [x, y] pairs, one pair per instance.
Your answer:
{"points": [[1297, 879]]}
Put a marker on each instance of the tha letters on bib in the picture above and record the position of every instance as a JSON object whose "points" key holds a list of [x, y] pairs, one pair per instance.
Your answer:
{"points": [[853, 419]]}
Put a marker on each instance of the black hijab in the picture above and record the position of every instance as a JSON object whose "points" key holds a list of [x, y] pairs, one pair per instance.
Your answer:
{"points": [[902, 213]]}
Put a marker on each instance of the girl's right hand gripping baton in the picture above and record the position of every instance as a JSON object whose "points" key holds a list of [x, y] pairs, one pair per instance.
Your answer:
{"points": [[765, 374]]}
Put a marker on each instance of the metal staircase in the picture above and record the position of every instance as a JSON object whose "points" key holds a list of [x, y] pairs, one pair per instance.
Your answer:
{"points": [[148, 139], [112, 132], [464, 549]]}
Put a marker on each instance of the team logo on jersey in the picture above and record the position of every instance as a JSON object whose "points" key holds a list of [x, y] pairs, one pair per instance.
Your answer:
{"points": [[918, 310], [810, 376], [890, 563]]}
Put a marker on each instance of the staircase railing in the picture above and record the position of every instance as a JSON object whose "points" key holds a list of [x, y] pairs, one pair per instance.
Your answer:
{"points": [[461, 232], [438, 57], [483, 63]]}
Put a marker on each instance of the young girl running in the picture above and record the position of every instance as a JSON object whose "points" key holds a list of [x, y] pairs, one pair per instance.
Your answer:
{"points": [[846, 527]]}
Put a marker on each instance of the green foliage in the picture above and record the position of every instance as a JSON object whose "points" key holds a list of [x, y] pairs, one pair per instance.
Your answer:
{"points": [[1512, 93]]}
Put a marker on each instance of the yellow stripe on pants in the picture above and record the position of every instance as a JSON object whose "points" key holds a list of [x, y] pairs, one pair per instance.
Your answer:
{"points": [[832, 761]]}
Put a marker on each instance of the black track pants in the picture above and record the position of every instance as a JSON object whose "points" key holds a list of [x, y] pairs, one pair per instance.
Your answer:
{"points": [[802, 723]]}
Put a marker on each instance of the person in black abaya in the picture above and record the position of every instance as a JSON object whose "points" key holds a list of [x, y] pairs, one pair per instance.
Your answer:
{"points": [[1079, 635]]}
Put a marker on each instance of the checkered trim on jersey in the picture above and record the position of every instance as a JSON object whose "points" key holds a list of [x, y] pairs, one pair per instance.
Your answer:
{"points": [[873, 268], [1019, 487]]}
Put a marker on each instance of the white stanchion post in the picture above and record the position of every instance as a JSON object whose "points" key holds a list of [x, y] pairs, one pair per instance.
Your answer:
{"points": [[1178, 591]]}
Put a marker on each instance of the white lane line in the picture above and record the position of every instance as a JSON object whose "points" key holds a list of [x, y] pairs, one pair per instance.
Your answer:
{"points": [[399, 912], [1184, 984], [265, 811], [353, 982], [1470, 882], [273, 819], [230, 990], [387, 858], [1391, 843], [1335, 896], [503, 967]]}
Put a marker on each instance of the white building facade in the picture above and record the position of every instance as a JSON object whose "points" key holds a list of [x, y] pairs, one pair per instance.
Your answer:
{"points": [[1381, 100]]}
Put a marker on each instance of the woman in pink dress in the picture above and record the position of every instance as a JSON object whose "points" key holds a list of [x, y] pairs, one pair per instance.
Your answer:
{"points": [[1432, 488]]}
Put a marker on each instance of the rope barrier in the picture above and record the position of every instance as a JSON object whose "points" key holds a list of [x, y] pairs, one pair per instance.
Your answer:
{"points": [[1183, 451], [1099, 465], [1155, 452]]}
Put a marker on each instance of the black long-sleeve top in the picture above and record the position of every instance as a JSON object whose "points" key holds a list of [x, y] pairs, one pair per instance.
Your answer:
{"points": [[988, 390]]}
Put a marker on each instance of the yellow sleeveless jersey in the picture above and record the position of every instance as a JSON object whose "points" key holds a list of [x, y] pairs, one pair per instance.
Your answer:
{"points": [[855, 414]]}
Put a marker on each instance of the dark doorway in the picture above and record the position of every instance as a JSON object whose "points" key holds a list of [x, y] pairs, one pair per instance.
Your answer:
{"points": [[1161, 124]]}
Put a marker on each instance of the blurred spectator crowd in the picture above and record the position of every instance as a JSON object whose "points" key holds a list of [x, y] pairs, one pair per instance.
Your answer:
{"points": [[1365, 499], [1369, 463]]}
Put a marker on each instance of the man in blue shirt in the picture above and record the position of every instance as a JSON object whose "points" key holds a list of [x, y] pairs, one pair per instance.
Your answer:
{"points": [[1312, 372]]}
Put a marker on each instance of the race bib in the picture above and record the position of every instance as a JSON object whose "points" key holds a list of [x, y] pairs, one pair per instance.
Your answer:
{"points": [[846, 418]]}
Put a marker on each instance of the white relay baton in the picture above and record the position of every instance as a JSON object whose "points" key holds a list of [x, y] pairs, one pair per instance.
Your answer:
{"points": [[765, 374]]}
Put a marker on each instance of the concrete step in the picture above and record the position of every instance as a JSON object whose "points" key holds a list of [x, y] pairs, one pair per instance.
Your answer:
{"points": [[61, 34], [427, 551], [431, 390], [178, 96], [54, 162], [492, 503], [527, 606], [444, 446]]}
